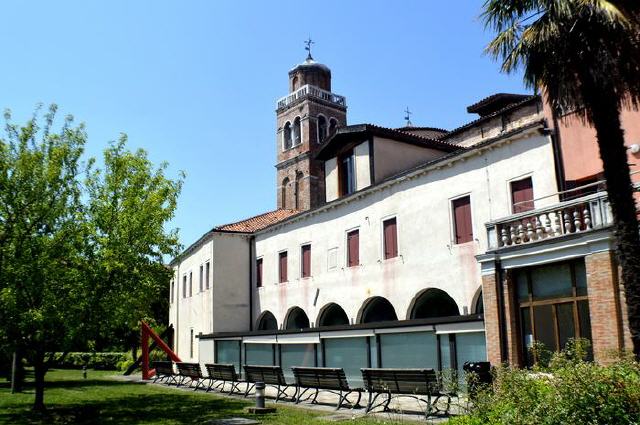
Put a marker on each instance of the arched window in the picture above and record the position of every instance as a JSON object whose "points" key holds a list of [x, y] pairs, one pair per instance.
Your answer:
{"points": [[287, 141], [333, 126], [378, 309], [433, 303], [479, 307], [296, 319], [283, 192], [296, 131], [295, 83], [298, 186], [322, 128], [333, 315], [267, 322]]}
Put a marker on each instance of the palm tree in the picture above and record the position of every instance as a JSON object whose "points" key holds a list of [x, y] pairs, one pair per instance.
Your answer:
{"points": [[585, 56]]}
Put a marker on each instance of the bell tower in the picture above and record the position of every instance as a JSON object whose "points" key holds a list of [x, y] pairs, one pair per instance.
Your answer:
{"points": [[306, 117]]}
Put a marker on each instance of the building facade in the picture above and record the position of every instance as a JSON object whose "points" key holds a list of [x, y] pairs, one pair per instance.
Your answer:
{"points": [[414, 246]]}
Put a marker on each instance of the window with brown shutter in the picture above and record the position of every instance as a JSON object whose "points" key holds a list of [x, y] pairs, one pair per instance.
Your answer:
{"points": [[201, 278], [184, 286], [282, 263], [207, 273], [522, 195], [390, 236], [353, 248], [259, 272], [462, 219], [172, 291], [306, 260], [190, 284]]}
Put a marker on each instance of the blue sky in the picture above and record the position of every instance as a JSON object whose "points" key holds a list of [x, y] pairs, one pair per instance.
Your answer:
{"points": [[195, 82]]}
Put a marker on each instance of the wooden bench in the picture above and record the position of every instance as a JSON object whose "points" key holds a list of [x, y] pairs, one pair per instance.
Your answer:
{"points": [[164, 372], [270, 375], [327, 379], [222, 372], [192, 372], [411, 383]]}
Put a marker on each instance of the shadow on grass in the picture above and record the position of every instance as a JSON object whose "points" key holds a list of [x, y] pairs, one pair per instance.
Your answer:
{"points": [[70, 384], [134, 408]]}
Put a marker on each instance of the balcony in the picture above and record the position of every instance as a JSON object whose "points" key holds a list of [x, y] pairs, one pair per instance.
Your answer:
{"points": [[580, 215], [314, 92]]}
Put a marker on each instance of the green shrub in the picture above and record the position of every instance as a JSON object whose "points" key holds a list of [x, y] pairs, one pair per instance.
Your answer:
{"points": [[570, 390], [100, 361]]}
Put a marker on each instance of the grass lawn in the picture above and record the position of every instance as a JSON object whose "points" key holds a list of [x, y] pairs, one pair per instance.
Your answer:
{"points": [[103, 399]]}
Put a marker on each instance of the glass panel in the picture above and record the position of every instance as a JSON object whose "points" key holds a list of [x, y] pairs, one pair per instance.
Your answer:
{"points": [[349, 354], [445, 352], [566, 324], [551, 281], [584, 319], [522, 285], [470, 347], [412, 349], [581, 278], [228, 352], [543, 321], [259, 354], [527, 334], [296, 355]]}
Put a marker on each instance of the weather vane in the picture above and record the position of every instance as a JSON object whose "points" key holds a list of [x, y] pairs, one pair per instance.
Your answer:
{"points": [[407, 116], [309, 42]]}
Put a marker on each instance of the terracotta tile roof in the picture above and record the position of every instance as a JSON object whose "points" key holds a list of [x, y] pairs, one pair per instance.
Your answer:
{"points": [[257, 222]]}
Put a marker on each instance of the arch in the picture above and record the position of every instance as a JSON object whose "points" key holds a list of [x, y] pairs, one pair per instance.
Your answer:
{"points": [[287, 139], [333, 126], [477, 303], [432, 302], [296, 135], [377, 309], [296, 319], [332, 315], [267, 322], [295, 83], [283, 192], [322, 128], [298, 184]]}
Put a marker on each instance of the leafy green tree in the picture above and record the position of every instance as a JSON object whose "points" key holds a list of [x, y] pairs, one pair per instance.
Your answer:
{"points": [[81, 249], [585, 56]]}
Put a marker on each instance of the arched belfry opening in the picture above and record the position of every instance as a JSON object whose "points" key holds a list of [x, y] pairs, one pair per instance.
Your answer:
{"points": [[433, 303], [332, 315], [377, 309], [267, 322], [296, 319]]}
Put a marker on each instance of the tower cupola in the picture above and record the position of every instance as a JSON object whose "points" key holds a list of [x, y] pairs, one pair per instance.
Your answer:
{"points": [[310, 72]]}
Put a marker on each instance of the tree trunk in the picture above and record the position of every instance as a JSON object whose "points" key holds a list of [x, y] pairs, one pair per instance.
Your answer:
{"points": [[604, 105], [39, 372]]}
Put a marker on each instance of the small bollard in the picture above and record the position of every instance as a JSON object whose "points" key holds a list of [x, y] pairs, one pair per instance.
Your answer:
{"points": [[84, 372], [260, 395]]}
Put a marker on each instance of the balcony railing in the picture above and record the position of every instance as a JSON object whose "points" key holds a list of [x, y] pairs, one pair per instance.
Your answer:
{"points": [[312, 91], [570, 217]]}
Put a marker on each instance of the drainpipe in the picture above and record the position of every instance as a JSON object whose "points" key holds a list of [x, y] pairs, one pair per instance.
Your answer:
{"points": [[251, 242], [556, 142], [502, 333]]}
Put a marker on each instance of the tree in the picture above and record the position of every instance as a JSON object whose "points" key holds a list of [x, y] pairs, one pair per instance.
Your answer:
{"points": [[585, 56], [81, 249]]}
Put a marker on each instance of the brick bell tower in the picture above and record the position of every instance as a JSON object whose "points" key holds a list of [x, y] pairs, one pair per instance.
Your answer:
{"points": [[306, 117]]}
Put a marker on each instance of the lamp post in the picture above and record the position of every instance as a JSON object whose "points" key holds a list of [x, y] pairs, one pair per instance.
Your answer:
{"points": [[260, 395]]}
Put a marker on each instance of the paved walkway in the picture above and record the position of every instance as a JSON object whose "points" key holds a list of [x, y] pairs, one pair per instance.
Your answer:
{"points": [[403, 409]]}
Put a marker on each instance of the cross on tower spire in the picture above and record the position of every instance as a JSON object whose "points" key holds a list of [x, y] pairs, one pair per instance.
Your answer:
{"points": [[308, 44], [407, 117]]}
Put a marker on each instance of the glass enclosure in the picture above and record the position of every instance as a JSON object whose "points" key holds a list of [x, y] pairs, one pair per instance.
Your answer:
{"points": [[410, 350], [351, 354]]}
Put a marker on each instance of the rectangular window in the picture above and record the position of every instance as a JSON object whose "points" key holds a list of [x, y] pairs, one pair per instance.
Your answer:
{"points": [[207, 274], [282, 266], [190, 284], [191, 345], [172, 291], [201, 282], [462, 219], [346, 173], [522, 195], [259, 272], [353, 248], [305, 254], [184, 286], [390, 236]]}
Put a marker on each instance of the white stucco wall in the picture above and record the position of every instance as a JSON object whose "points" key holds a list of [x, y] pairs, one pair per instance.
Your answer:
{"points": [[225, 305], [331, 179], [428, 257], [391, 157], [362, 165]]}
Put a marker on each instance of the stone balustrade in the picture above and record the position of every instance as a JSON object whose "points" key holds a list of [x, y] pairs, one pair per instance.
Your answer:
{"points": [[311, 91], [570, 217]]}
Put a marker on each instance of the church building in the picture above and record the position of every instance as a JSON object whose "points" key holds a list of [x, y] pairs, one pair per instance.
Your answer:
{"points": [[409, 247]]}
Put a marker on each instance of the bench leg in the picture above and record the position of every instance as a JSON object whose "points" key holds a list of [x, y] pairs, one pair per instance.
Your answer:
{"points": [[249, 388], [341, 399], [386, 405]]}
